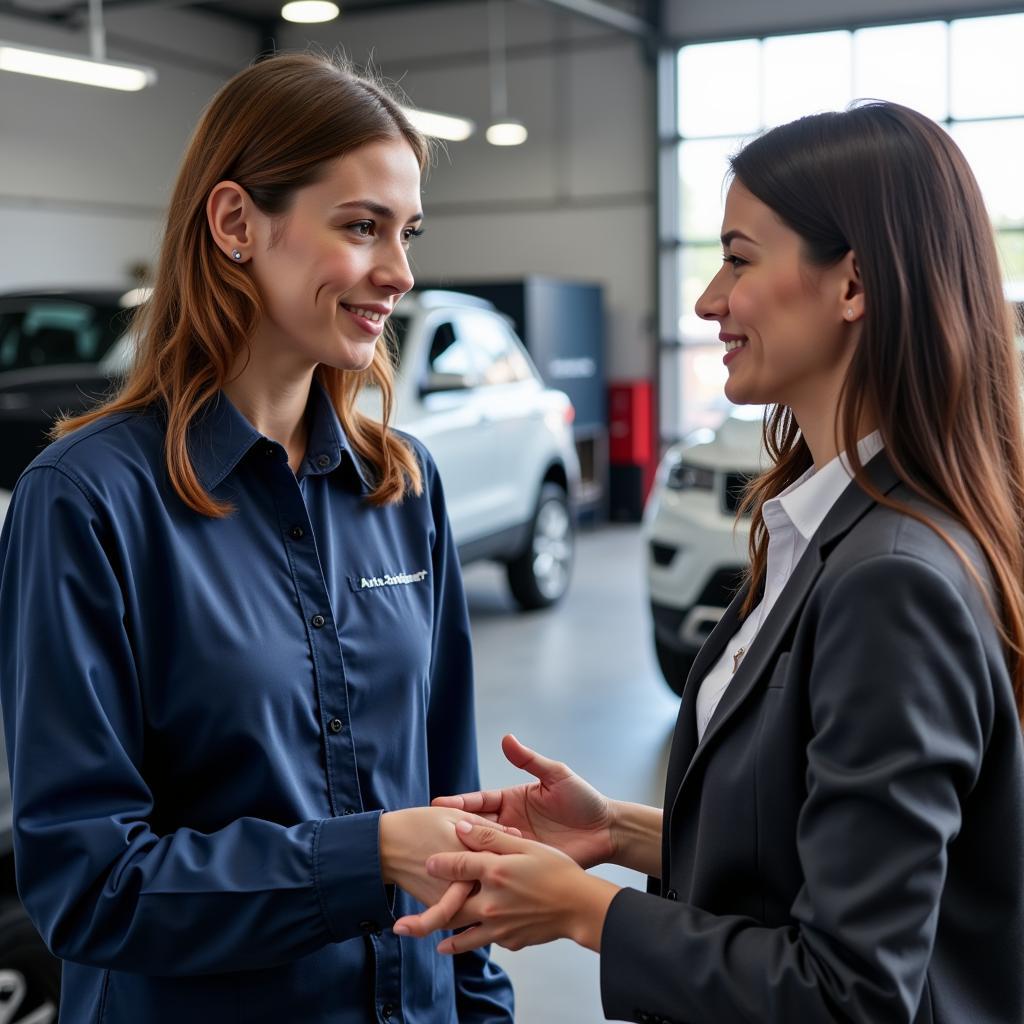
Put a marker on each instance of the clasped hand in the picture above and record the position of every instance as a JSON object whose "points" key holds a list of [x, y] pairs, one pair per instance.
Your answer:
{"points": [[520, 881]]}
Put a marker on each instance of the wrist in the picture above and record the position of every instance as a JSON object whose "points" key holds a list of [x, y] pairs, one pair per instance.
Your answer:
{"points": [[386, 845], [589, 911], [616, 832]]}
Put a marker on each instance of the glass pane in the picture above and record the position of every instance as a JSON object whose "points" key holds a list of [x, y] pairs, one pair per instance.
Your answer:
{"points": [[987, 73], [995, 150], [499, 359], [805, 74], [882, 56], [719, 86], [703, 165], [1011, 255], [51, 332], [451, 357], [698, 265]]}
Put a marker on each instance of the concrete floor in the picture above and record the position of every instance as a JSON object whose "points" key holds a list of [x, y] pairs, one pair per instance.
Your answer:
{"points": [[578, 683]]}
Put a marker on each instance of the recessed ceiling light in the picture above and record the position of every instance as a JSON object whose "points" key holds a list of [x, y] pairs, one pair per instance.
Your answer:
{"points": [[308, 12], [507, 133]]}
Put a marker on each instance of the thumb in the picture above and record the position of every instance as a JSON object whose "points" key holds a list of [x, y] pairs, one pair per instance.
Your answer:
{"points": [[543, 768]]}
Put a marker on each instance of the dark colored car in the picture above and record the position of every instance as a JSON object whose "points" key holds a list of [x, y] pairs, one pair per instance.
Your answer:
{"points": [[51, 358]]}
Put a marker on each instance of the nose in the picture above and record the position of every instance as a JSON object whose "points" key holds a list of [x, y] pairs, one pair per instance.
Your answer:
{"points": [[713, 303], [392, 272]]}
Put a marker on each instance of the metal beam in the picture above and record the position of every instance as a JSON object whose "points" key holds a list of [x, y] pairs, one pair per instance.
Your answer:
{"points": [[604, 13]]}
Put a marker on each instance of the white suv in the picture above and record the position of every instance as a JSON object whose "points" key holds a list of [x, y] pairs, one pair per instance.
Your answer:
{"points": [[696, 550], [502, 440]]}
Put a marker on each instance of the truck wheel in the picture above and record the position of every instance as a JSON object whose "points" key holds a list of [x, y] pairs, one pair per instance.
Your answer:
{"points": [[539, 577], [674, 664], [29, 974]]}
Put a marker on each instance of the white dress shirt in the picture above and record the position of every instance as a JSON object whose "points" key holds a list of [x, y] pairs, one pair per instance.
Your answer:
{"points": [[791, 520]]}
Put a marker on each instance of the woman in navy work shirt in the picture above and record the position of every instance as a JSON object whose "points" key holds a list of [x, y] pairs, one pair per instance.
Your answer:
{"points": [[843, 827], [222, 740]]}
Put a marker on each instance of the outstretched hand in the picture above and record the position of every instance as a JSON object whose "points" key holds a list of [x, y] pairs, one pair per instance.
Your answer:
{"points": [[560, 809], [528, 893], [408, 837]]}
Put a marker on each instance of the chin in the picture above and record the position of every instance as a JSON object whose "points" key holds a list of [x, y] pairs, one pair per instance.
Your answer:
{"points": [[353, 360]]}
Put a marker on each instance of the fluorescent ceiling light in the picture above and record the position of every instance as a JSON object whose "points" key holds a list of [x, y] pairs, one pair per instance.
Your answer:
{"points": [[66, 67], [507, 133], [440, 126], [308, 12]]}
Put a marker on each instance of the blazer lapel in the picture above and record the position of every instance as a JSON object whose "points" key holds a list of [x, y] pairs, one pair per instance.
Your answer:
{"points": [[684, 740], [687, 754]]}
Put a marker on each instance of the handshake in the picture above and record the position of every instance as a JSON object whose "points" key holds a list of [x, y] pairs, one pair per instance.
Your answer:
{"points": [[508, 866]]}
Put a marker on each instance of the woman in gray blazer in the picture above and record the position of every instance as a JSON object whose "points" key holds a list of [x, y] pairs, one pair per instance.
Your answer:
{"points": [[843, 828]]}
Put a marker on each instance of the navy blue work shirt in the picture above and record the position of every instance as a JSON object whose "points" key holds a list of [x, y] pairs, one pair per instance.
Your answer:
{"points": [[206, 717]]}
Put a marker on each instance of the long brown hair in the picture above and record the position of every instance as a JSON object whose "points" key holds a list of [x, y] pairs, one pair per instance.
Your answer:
{"points": [[936, 364], [273, 128]]}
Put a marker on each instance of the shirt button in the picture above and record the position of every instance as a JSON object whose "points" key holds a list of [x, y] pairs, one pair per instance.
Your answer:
{"points": [[350, 810], [269, 449], [672, 895], [386, 1011], [318, 621], [323, 461], [296, 533], [335, 725]]}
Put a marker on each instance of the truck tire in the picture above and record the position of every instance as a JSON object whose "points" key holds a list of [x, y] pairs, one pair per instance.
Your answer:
{"points": [[674, 664]]}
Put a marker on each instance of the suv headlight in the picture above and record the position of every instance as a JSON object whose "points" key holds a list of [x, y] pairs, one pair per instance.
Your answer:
{"points": [[682, 476]]}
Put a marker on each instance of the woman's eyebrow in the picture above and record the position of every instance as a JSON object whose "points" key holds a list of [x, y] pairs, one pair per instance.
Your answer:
{"points": [[730, 236], [378, 209]]}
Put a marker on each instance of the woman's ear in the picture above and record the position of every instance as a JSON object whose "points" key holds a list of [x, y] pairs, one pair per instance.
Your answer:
{"points": [[228, 214], [851, 304]]}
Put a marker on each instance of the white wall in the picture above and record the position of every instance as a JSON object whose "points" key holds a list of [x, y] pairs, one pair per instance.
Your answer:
{"points": [[85, 173], [699, 19], [577, 199]]}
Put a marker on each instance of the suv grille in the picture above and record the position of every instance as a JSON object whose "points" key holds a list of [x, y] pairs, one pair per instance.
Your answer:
{"points": [[662, 553], [732, 492]]}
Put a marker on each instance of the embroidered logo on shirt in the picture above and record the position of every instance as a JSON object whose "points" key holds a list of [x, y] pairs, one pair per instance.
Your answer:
{"points": [[368, 582]]}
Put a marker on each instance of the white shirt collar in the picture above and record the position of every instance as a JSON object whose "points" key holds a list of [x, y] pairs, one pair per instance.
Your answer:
{"points": [[807, 501]]}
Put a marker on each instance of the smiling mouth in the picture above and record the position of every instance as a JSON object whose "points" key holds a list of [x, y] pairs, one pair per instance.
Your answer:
{"points": [[367, 314], [733, 344]]}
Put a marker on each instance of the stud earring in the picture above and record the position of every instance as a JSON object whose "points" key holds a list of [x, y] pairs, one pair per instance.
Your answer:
{"points": [[849, 313], [235, 254]]}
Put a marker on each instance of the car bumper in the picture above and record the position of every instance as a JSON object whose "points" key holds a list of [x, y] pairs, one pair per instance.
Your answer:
{"points": [[696, 557]]}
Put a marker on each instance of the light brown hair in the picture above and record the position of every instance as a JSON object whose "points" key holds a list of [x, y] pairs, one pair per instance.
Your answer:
{"points": [[936, 364], [273, 129]]}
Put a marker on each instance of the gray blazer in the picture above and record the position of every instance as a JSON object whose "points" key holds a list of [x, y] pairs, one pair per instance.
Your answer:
{"points": [[846, 843]]}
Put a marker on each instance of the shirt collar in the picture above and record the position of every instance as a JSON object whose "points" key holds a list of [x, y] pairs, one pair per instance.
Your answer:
{"points": [[220, 437], [807, 501]]}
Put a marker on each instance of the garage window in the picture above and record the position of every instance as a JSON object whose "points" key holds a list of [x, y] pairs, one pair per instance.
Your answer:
{"points": [[966, 75]]}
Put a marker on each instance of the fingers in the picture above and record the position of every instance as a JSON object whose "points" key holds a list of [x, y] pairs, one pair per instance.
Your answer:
{"points": [[484, 802], [439, 915], [491, 839], [471, 938], [483, 822], [458, 867], [544, 768]]}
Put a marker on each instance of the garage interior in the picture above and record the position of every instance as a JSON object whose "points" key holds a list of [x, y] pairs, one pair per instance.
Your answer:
{"points": [[600, 194]]}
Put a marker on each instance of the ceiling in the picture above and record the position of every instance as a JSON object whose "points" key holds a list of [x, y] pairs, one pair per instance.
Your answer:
{"points": [[265, 13]]}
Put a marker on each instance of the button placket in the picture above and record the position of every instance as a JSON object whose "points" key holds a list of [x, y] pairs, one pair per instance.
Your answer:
{"points": [[328, 661]]}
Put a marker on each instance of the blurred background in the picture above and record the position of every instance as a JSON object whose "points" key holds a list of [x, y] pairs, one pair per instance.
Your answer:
{"points": [[576, 201]]}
